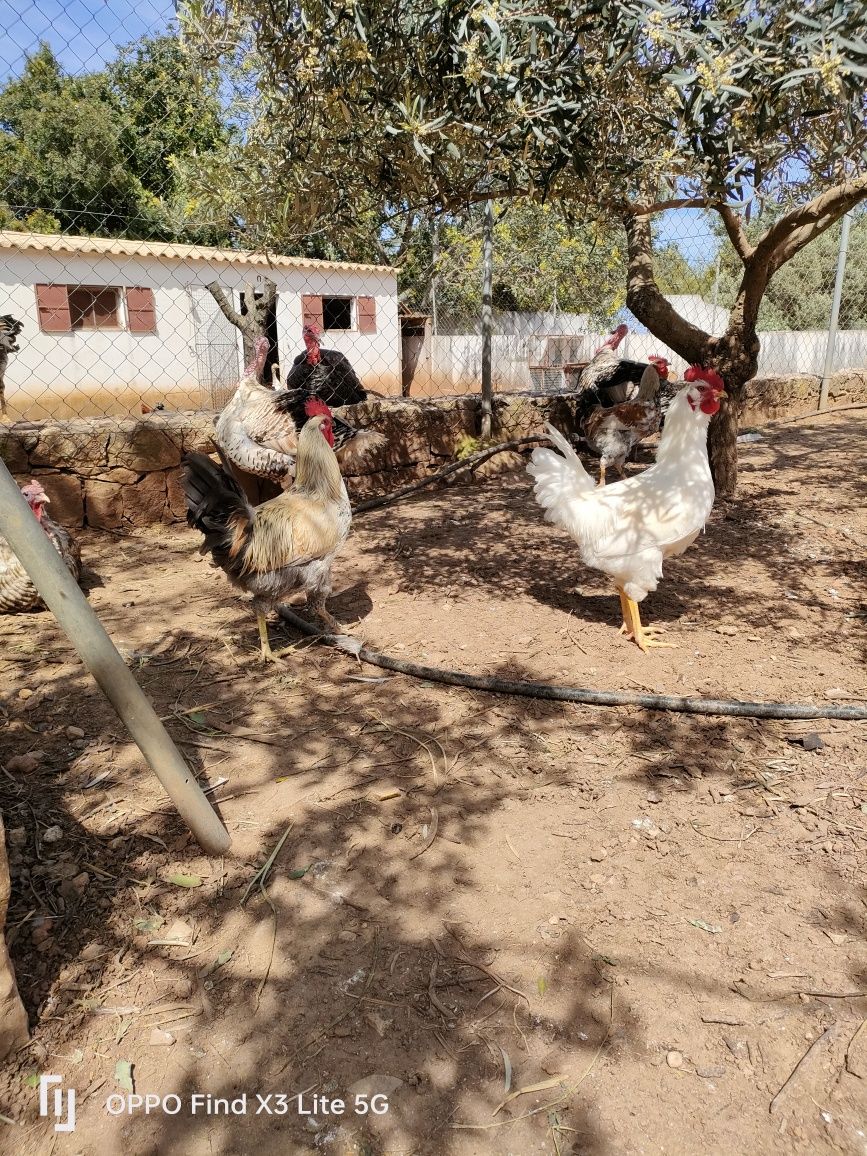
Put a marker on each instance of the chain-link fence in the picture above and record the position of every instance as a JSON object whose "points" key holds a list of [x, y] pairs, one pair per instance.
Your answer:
{"points": [[122, 294]]}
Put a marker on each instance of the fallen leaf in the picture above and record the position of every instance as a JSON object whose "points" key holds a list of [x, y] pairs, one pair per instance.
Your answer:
{"points": [[123, 1075], [711, 928], [181, 880]]}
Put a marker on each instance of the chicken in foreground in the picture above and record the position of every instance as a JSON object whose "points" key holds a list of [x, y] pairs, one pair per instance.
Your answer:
{"points": [[612, 431], [258, 429], [17, 592], [286, 545], [629, 528]]}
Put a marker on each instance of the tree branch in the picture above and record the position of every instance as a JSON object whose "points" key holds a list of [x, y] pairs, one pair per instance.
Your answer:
{"points": [[226, 308], [674, 203], [797, 228], [735, 231], [646, 301]]}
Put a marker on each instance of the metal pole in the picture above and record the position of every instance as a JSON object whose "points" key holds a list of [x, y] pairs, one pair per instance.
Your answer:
{"points": [[86, 633], [487, 320], [435, 255], [835, 312]]}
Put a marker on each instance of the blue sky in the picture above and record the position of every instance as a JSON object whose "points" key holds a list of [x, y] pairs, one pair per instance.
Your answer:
{"points": [[83, 33]]}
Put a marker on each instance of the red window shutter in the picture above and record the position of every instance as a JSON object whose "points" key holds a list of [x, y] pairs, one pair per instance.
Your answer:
{"points": [[141, 311], [311, 310], [367, 315], [52, 305]]}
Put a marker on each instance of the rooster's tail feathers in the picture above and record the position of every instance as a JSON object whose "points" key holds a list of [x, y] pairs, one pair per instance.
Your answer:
{"points": [[215, 505]]}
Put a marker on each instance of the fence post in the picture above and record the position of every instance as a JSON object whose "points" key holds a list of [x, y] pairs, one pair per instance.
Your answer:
{"points": [[835, 312], [86, 633], [487, 320], [435, 259]]}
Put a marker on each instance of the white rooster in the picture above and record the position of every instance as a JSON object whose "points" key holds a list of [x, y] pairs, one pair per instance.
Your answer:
{"points": [[628, 529]]}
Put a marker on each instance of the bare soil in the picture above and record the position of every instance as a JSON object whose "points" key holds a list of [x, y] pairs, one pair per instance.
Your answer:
{"points": [[533, 927]]}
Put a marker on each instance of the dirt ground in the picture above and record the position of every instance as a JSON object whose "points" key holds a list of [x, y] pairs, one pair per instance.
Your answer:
{"points": [[530, 927]]}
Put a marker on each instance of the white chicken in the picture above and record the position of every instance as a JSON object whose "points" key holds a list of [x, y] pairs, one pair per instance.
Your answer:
{"points": [[628, 529]]}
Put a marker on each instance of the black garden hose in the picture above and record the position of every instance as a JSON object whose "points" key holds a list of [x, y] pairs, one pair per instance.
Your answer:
{"points": [[664, 702]]}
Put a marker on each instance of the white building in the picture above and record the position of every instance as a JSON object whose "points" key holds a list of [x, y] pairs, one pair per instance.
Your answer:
{"points": [[110, 324]]}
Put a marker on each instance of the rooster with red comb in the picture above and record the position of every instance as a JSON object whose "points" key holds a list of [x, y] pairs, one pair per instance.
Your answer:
{"points": [[628, 529], [284, 546]]}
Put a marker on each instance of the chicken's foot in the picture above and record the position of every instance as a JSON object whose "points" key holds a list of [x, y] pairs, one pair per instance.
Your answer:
{"points": [[601, 481], [322, 614], [642, 636], [267, 654]]}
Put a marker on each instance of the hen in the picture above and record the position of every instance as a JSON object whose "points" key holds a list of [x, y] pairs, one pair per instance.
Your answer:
{"points": [[17, 592], [258, 429], [285, 545], [628, 529], [612, 431]]}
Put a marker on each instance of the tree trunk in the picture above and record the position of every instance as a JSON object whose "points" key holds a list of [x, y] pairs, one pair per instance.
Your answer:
{"points": [[252, 322]]}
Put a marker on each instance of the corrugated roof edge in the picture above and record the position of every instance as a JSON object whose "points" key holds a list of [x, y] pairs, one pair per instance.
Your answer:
{"points": [[122, 247]]}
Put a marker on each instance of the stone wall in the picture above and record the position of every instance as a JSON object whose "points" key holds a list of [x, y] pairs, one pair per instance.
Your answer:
{"points": [[116, 475]]}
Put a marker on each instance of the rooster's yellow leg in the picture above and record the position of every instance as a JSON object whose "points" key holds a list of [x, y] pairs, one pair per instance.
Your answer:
{"points": [[642, 636], [268, 654], [601, 481]]}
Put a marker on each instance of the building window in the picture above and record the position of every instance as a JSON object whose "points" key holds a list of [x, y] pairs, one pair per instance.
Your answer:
{"points": [[94, 307], [64, 308], [336, 313]]}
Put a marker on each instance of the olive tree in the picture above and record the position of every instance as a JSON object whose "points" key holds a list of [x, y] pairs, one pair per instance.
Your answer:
{"points": [[616, 110]]}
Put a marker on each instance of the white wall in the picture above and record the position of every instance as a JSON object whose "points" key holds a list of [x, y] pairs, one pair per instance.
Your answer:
{"points": [[116, 362]]}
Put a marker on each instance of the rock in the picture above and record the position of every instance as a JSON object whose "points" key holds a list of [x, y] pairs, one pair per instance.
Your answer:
{"points": [[160, 1039], [16, 837], [145, 445], [598, 854], [653, 797], [13, 452], [74, 733], [52, 835], [24, 764], [13, 1018], [92, 952], [727, 630], [25, 693], [103, 504], [674, 1059], [144, 503], [812, 742]]}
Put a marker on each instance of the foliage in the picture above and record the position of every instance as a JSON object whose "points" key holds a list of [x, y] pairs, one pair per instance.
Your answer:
{"points": [[110, 153], [800, 293], [541, 262], [447, 101]]}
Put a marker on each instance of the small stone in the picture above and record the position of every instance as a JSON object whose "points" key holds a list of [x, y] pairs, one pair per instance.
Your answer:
{"points": [[347, 936], [727, 630], [160, 1039], [74, 733], [24, 693], [52, 835], [654, 797], [16, 837], [812, 742], [674, 1059], [24, 764], [710, 1073], [92, 952], [598, 854]]}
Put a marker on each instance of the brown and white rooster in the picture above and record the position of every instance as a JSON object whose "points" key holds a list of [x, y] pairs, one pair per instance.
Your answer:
{"points": [[17, 592], [285, 545], [258, 429]]}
